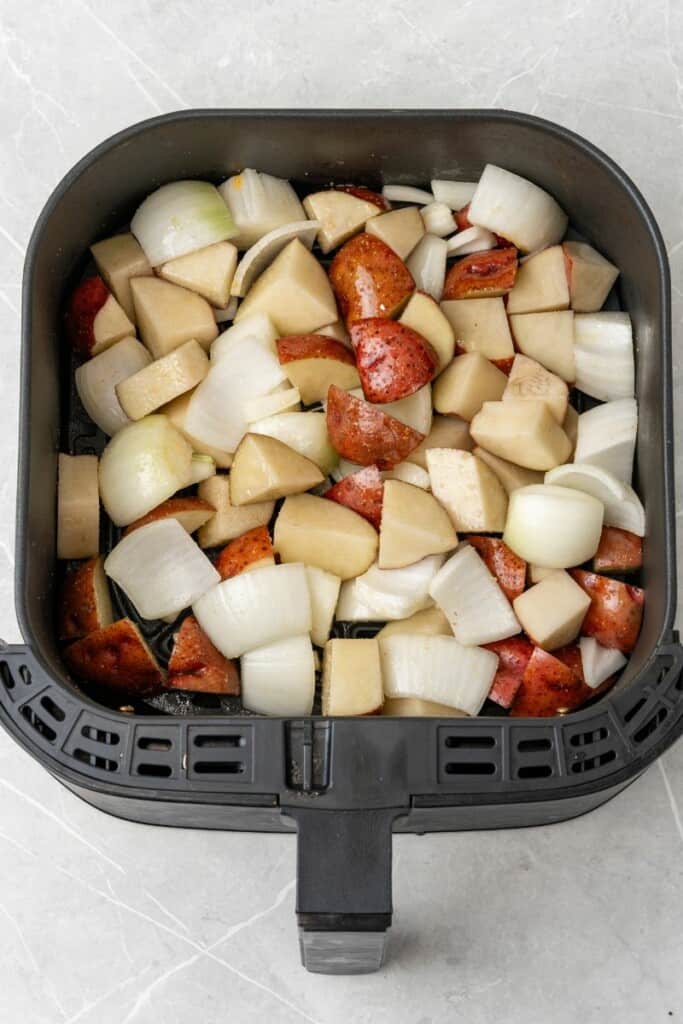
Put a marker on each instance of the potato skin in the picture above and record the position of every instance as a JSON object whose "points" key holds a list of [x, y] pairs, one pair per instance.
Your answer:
{"points": [[483, 274], [618, 551], [116, 657], [85, 302], [242, 552], [368, 279], [508, 568], [393, 360], [170, 508], [197, 666], [513, 658], [362, 492], [81, 608], [616, 612], [366, 435]]}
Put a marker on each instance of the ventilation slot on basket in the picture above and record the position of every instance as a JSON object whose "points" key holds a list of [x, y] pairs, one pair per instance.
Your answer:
{"points": [[219, 767], [471, 742], [590, 764], [161, 771], [219, 741], [534, 771], [150, 743], [582, 739], [470, 768], [633, 711], [37, 723], [105, 764], [212, 753], [533, 746], [651, 725], [90, 732], [26, 677], [6, 676], [52, 709]]}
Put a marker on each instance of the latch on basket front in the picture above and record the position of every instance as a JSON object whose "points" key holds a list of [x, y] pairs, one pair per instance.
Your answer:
{"points": [[308, 755]]}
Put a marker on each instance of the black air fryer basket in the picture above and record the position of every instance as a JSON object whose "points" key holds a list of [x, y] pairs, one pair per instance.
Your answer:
{"points": [[343, 784]]}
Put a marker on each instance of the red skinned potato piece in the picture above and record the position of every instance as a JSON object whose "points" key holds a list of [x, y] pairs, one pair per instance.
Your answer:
{"points": [[462, 218], [364, 434], [393, 360], [253, 549], [117, 658], [513, 658], [94, 319], [314, 361], [362, 492], [507, 567], [366, 194], [504, 365], [615, 613], [369, 280], [197, 666], [482, 275], [618, 551], [191, 512], [85, 604], [549, 687]]}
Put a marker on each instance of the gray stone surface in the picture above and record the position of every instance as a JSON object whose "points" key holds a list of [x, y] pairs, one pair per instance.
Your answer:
{"points": [[105, 922]]}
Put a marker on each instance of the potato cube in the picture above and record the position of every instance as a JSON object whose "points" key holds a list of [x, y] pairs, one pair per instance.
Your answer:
{"points": [[466, 384], [163, 380], [468, 489], [480, 325], [529, 380], [551, 612], [548, 338], [230, 521], [510, 475], [524, 431], [541, 283], [352, 678]]}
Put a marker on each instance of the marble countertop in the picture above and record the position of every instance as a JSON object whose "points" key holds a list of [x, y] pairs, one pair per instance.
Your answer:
{"points": [[106, 922]]}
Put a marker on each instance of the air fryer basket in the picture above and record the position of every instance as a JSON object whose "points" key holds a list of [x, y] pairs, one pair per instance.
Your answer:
{"points": [[342, 784]]}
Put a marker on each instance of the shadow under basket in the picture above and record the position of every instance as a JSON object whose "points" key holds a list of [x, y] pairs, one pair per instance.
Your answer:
{"points": [[343, 784]]}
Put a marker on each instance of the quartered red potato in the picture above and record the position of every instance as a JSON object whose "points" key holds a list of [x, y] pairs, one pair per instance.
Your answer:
{"points": [[352, 405]]}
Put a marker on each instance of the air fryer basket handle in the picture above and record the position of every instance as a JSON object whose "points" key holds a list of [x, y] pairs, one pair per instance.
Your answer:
{"points": [[343, 888]]}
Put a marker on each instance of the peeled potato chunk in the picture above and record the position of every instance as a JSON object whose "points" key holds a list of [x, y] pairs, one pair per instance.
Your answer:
{"points": [[423, 314], [401, 230], [228, 521], [413, 526], [590, 276], [168, 315], [524, 431], [119, 259], [541, 283], [78, 507], [468, 489], [510, 475], [340, 214], [320, 532], [352, 678], [294, 291], [264, 469], [446, 432], [466, 384], [208, 271], [529, 380], [548, 338], [480, 325], [551, 612], [163, 380]]}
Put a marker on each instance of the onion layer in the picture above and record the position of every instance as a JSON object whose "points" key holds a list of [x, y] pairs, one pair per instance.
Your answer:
{"points": [[469, 241], [517, 209], [603, 351], [160, 569], [407, 194], [553, 527], [438, 669], [599, 663], [96, 382], [470, 598], [380, 595], [427, 264], [259, 203], [180, 218], [623, 507], [437, 219], [455, 194], [279, 678], [607, 437]]}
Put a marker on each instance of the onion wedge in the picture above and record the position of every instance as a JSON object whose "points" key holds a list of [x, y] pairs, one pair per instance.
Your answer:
{"points": [[438, 669], [623, 507], [603, 352], [279, 678], [517, 209], [470, 598], [427, 264], [598, 662], [455, 194], [180, 218], [407, 194], [607, 437]]}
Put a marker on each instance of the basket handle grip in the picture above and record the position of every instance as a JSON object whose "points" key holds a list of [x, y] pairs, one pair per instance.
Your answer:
{"points": [[343, 900]]}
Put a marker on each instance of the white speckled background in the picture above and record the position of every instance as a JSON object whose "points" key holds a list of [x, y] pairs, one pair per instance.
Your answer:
{"points": [[105, 922]]}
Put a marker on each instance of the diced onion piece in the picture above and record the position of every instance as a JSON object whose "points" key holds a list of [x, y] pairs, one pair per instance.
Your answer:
{"points": [[437, 219], [323, 587], [517, 209], [623, 507], [410, 474], [438, 669], [603, 351], [179, 218], [96, 382], [382, 594], [427, 264], [279, 678], [470, 598], [216, 413], [258, 329], [201, 468], [599, 663], [143, 464], [455, 194], [407, 194], [262, 253], [223, 316], [553, 527], [256, 608], [607, 437], [344, 468], [259, 203], [78, 507], [470, 240], [160, 569], [271, 404]]}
